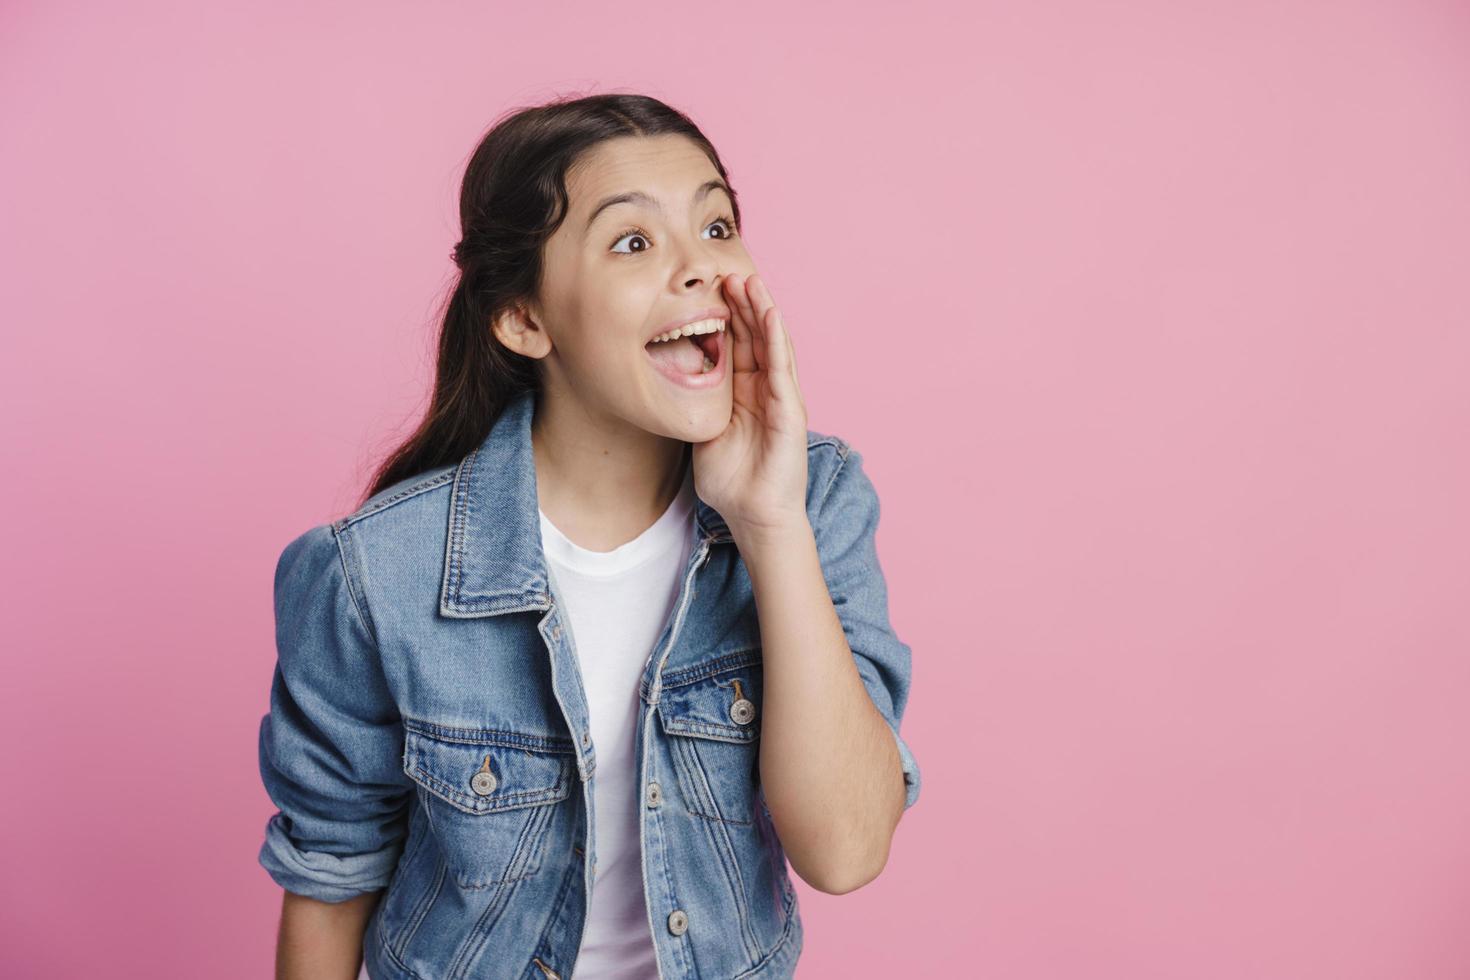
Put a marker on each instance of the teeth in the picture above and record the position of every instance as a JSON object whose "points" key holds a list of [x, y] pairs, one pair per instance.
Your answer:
{"points": [[689, 329], [709, 365]]}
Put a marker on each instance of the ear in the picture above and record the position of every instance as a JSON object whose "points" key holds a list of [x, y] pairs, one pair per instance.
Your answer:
{"points": [[518, 328]]}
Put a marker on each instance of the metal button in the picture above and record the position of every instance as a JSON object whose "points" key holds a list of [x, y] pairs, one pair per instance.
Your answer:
{"points": [[556, 631], [678, 922], [484, 782], [655, 794], [586, 738], [743, 710]]}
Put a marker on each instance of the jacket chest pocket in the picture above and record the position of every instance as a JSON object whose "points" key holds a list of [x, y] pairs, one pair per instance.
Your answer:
{"points": [[489, 795], [712, 717]]}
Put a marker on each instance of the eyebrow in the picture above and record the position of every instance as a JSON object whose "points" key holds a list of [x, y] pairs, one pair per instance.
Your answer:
{"points": [[639, 197]]}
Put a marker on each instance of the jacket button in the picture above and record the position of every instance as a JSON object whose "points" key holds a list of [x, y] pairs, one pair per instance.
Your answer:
{"points": [[678, 922], [586, 738], [484, 781], [556, 632], [655, 794], [743, 711]]}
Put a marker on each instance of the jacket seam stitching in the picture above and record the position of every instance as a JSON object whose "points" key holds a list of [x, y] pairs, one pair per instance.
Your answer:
{"points": [[388, 951], [420, 909], [725, 662], [827, 493], [458, 519], [364, 617], [507, 801], [788, 933], [714, 730], [398, 498], [824, 441], [560, 745]]}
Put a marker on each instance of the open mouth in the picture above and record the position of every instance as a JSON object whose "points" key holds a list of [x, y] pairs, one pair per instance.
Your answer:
{"points": [[695, 356]]}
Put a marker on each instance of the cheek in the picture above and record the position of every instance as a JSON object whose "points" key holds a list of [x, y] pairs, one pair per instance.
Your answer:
{"points": [[599, 343], [624, 312], [739, 263]]}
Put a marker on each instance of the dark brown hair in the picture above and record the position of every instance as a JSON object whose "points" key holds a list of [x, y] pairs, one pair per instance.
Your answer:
{"points": [[512, 199]]}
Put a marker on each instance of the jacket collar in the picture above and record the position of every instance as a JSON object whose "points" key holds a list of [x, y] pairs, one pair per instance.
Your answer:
{"points": [[493, 559]]}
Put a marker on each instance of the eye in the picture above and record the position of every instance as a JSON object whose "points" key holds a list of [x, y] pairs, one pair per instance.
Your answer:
{"points": [[729, 224], [629, 234]]}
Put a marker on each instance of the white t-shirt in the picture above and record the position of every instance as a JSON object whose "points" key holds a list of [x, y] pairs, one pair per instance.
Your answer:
{"points": [[617, 603]]}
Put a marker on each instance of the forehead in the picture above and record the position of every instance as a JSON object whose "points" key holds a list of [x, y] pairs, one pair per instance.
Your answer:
{"points": [[664, 166]]}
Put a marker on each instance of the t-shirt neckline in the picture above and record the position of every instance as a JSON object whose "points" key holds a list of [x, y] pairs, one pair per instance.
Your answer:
{"points": [[663, 533]]}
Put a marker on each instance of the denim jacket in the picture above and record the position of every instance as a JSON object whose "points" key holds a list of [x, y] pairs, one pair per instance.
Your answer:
{"points": [[428, 728]]}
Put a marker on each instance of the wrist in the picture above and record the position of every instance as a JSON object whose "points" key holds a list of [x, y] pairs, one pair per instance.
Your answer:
{"points": [[755, 541]]}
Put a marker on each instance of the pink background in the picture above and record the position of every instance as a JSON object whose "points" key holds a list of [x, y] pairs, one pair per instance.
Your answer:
{"points": [[1152, 324]]}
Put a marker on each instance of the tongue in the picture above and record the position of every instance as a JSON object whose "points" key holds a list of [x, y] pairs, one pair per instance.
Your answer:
{"points": [[684, 355]]}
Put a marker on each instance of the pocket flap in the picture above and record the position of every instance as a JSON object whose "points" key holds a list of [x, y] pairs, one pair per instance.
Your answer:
{"points": [[720, 699], [485, 770]]}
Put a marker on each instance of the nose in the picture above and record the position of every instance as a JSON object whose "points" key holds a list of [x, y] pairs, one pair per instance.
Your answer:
{"points": [[700, 268], [703, 271]]}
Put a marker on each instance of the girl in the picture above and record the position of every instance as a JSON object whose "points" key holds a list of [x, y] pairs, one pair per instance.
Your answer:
{"points": [[526, 720]]}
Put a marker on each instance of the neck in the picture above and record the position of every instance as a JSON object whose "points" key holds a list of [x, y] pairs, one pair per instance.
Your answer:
{"points": [[602, 482]]}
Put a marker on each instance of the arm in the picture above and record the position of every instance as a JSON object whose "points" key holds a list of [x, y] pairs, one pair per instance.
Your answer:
{"points": [[322, 940], [331, 753], [836, 774], [836, 675]]}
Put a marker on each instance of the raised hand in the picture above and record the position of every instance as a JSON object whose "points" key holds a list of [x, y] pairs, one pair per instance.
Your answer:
{"points": [[754, 473]]}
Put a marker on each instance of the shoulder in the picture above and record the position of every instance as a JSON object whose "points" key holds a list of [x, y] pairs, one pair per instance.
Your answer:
{"points": [[834, 472], [824, 453], [427, 491], [397, 513]]}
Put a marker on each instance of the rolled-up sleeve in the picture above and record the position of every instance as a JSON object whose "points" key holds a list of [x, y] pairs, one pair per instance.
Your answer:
{"points": [[331, 747], [846, 527]]}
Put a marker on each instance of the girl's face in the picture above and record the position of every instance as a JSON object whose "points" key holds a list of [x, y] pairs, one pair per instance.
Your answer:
{"points": [[619, 274]]}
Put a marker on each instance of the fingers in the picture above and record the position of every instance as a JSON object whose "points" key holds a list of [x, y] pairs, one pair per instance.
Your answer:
{"points": [[745, 349], [780, 356], [781, 353], [769, 305], [791, 353], [750, 298], [762, 341]]}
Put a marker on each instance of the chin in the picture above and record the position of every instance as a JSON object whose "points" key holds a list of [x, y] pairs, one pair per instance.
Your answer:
{"points": [[699, 419]]}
